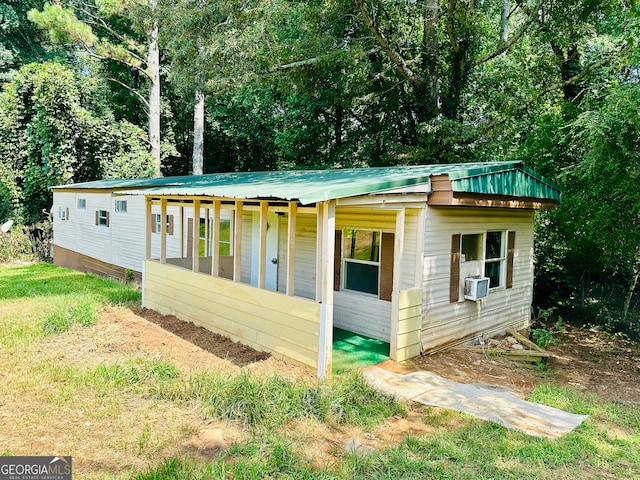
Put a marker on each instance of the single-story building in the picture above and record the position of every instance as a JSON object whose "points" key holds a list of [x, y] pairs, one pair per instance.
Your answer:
{"points": [[419, 257]]}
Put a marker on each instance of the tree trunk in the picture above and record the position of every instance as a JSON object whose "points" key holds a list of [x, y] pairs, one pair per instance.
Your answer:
{"points": [[427, 107], [338, 124], [631, 290], [504, 20], [153, 65], [198, 134]]}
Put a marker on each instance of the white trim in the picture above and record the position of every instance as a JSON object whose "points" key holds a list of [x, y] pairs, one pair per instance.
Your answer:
{"points": [[327, 233], [144, 269], [398, 252]]}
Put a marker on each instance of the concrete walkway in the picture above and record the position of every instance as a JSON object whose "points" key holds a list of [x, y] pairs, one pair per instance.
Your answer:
{"points": [[496, 406]]}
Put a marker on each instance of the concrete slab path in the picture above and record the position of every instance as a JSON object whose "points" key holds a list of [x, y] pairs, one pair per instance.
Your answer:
{"points": [[488, 404]]}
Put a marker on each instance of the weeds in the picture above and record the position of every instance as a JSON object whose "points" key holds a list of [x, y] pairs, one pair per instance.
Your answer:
{"points": [[256, 402], [62, 317], [543, 336]]}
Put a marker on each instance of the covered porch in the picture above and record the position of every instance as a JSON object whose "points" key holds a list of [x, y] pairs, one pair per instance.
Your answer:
{"points": [[266, 272]]}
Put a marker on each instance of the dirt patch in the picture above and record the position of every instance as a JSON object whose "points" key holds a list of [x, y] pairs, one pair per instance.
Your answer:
{"points": [[587, 360], [110, 434]]}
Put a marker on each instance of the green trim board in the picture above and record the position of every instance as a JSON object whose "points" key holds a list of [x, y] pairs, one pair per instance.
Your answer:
{"points": [[352, 351], [312, 186]]}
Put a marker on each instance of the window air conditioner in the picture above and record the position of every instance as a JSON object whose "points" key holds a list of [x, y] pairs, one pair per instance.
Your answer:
{"points": [[476, 288]]}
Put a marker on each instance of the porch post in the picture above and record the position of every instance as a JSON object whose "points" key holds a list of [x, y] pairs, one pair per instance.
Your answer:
{"points": [[163, 230], [262, 250], [326, 253], [419, 262], [237, 243], [398, 250], [195, 237], [215, 239], [148, 202], [291, 248], [182, 254], [319, 249]]}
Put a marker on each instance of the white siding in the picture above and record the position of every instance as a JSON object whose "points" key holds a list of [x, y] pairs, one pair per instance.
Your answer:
{"points": [[361, 313], [121, 243], [127, 230], [174, 241], [305, 258], [408, 274], [65, 232], [447, 323]]}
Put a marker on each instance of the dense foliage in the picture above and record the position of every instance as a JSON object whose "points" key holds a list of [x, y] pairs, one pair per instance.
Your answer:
{"points": [[337, 83]]}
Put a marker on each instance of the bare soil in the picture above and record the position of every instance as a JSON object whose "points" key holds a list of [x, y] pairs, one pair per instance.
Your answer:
{"points": [[110, 435], [585, 359]]}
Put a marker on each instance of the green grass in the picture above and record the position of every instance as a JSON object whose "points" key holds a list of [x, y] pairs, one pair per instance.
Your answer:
{"points": [[37, 302], [43, 299], [269, 403]]}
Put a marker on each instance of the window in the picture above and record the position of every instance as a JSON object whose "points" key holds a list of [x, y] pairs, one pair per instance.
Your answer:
{"points": [[487, 248], [102, 218], [121, 206], [82, 204], [490, 254], [361, 257], [494, 258], [471, 247], [156, 223], [63, 213]]}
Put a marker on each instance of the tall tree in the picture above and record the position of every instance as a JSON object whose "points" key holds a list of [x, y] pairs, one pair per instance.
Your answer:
{"points": [[56, 129], [99, 33]]}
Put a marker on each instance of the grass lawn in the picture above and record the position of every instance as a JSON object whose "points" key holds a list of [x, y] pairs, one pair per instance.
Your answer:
{"points": [[76, 381]]}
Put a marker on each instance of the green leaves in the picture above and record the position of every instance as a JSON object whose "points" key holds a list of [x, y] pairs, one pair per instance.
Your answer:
{"points": [[55, 131], [63, 25]]}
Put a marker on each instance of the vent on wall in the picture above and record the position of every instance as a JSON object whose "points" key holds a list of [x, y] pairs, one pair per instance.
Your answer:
{"points": [[476, 288]]}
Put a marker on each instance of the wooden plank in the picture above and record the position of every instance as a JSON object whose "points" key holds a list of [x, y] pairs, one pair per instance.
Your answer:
{"points": [[408, 339], [215, 240], [291, 247], [262, 251], [148, 221], [408, 352], [195, 239], [409, 312], [255, 325], [398, 252], [237, 243], [524, 340], [522, 355], [410, 298], [276, 301], [410, 324], [163, 230], [287, 328]]}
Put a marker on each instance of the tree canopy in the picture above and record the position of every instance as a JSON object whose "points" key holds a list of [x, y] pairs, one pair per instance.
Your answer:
{"points": [[335, 83]]}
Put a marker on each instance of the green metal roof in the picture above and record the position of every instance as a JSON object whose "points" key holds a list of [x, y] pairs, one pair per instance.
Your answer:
{"points": [[311, 186]]}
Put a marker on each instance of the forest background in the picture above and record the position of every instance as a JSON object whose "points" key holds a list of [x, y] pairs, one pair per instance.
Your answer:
{"points": [[95, 89]]}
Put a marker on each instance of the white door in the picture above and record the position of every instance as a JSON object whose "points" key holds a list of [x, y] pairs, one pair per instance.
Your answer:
{"points": [[271, 271]]}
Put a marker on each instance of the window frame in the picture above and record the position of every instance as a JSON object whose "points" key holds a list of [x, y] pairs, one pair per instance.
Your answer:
{"points": [[501, 260], [63, 214], [103, 220], [82, 204], [345, 261], [118, 206]]}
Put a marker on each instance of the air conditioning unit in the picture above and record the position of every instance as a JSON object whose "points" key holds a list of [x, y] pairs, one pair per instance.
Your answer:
{"points": [[476, 288]]}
